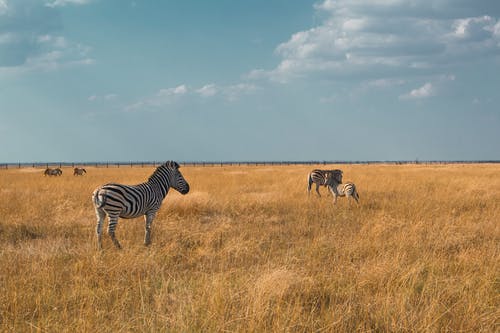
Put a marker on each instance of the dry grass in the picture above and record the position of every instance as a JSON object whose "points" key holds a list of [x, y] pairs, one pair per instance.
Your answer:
{"points": [[247, 251]]}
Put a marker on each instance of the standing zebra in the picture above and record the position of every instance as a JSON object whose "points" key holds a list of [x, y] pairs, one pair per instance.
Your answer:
{"points": [[126, 201], [79, 171], [52, 172], [319, 177], [340, 190]]}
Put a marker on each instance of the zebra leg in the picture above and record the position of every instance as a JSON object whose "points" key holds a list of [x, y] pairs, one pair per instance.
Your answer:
{"points": [[334, 196], [100, 219], [113, 220], [333, 193], [148, 221], [317, 190]]}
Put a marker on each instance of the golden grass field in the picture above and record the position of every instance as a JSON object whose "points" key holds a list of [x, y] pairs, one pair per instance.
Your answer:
{"points": [[247, 251]]}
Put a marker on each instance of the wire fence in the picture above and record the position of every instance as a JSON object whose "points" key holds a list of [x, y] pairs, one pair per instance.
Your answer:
{"points": [[142, 164]]}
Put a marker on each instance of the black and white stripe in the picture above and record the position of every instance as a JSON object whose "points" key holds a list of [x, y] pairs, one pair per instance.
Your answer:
{"points": [[126, 201], [52, 172], [319, 177], [79, 171], [340, 190]]}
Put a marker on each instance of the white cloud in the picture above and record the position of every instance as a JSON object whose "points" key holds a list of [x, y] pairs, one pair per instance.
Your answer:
{"points": [[182, 93], [439, 84], [234, 92], [107, 97], [57, 53], [208, 90], [386, 83], [384, 38], [179, 90], [30, 41], [474, 27], [3, 7], [54, 41], [230, 93], [62, 3], [425, 91], [163, 98], [7, 38]]}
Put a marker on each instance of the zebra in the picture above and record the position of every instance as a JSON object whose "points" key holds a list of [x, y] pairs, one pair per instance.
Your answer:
{"points": [[79, 171], [319, 178], [340, 190], [52, 172], [131, 201]]}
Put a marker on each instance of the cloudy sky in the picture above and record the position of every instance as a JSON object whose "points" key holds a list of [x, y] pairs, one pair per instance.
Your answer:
{"points": [[120, 80]]}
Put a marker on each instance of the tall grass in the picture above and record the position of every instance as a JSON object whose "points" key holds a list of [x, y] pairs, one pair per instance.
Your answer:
{"points": [[248, 251]]}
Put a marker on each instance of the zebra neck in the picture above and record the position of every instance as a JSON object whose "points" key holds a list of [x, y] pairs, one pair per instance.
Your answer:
{"points": [[160, 184]]}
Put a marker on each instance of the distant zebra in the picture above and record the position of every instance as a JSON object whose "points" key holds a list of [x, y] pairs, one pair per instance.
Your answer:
{"points": [[340, 190], [318, 177], [52, 172], [79, 171], [126, 201]]}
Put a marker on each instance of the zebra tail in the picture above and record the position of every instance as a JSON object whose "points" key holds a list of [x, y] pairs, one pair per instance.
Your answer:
{"points": [[99, 198], [309, 182]]}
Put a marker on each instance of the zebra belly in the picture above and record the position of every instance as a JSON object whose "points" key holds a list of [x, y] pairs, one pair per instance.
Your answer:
{"points": [[128, 216]]}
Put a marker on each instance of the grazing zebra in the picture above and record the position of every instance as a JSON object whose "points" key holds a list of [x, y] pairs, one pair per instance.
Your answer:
{"points": [[126, 201], [319, 177], [79, 171], [52, 172], [340, 190]]}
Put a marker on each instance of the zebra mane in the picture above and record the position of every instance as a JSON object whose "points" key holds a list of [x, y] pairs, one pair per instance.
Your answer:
{"points": [[172, 165], [161, 172]]}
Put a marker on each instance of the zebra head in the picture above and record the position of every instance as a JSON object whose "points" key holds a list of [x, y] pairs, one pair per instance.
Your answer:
{"points": [[177, 181], [333, 176], [337, 175]]}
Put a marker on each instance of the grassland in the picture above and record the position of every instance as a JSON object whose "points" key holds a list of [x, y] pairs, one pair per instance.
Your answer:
{"points": [[247, 251]]}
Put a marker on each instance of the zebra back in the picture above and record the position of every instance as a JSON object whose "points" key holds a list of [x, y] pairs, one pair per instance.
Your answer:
{"points": [[321, 177]]}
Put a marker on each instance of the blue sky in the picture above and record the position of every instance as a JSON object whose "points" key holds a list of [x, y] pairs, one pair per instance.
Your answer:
{"points": [[119, 80]]}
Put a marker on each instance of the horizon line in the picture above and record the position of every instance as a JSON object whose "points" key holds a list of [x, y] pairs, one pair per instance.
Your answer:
{"points": [[245, 162]]}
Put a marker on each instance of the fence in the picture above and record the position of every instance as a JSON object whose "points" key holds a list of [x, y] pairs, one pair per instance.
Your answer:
{"points": [[143, 164]]}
